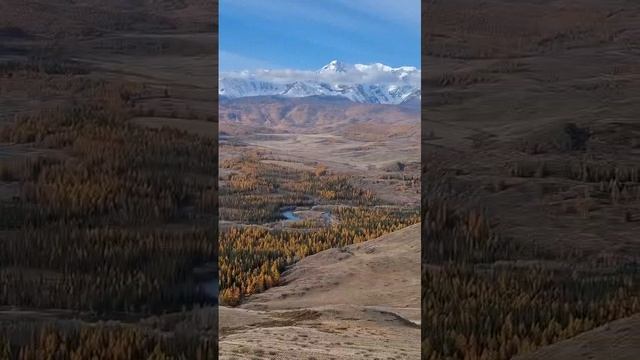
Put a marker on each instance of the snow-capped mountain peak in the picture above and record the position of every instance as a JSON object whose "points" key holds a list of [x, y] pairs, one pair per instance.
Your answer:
{"points": [[335, 66], [364, 83]]}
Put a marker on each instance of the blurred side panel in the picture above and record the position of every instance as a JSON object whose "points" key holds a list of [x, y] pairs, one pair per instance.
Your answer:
{"points": [[108, 179], [531, 187]]}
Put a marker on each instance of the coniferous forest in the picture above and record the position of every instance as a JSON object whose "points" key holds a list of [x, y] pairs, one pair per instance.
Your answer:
{"points": [[104, 224], [254, 250], [487, 296]]}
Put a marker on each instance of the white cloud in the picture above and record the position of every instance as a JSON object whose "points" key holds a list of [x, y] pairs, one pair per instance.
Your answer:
{"points": [[367, 75]]}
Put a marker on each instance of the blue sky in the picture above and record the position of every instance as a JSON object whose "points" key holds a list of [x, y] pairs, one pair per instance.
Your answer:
{"points": [[307, 34]]}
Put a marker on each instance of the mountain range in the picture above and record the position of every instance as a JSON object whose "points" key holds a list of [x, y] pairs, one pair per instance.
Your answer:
{"points": [[312, 113], [373, 83]]}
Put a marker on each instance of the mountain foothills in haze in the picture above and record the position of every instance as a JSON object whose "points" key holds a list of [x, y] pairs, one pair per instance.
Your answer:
{"points": [[374, 83]]}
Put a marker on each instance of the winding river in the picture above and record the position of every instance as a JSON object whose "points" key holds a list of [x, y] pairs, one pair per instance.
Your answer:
{"points": [[289, 215]]}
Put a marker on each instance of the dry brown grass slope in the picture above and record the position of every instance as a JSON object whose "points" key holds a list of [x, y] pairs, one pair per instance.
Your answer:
{"points": [[358, 302]]}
